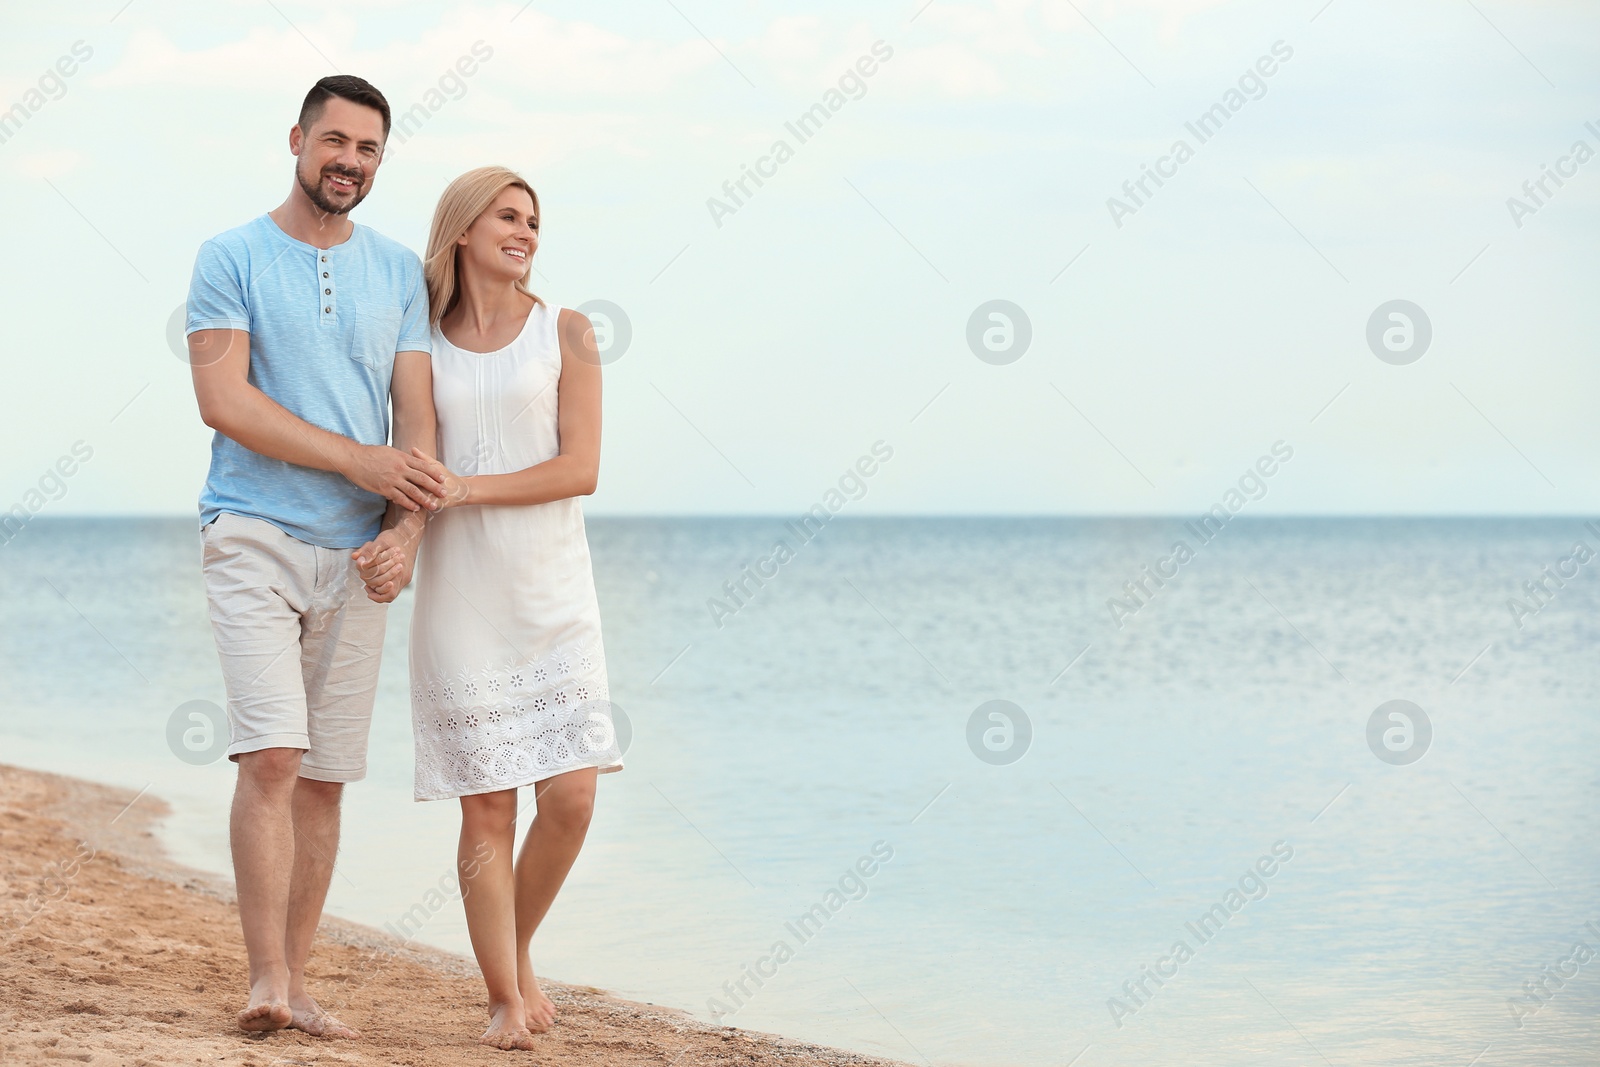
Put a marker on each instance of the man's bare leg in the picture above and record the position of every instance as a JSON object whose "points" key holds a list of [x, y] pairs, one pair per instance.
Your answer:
{"points": [[316, 825], [261, 831], [488, 894], [565, 806]]}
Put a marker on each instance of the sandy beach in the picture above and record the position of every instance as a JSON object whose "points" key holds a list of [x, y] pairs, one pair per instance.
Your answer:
{"points": [[111, 954]]}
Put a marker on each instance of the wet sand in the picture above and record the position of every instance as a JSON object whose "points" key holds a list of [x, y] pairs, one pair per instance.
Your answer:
{"points": [[111, 954]]}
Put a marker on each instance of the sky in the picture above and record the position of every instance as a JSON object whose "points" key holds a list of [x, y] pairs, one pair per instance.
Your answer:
{"points": [[1153, 343]]}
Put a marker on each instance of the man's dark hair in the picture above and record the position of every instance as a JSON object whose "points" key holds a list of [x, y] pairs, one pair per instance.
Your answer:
{"points": [[345, 87]]}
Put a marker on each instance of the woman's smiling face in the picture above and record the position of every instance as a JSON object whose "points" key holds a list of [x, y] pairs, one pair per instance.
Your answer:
{"points": [[501, 242]]}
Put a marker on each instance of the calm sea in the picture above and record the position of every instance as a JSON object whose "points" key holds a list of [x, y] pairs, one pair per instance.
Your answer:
{"points": [[1205, 836]]}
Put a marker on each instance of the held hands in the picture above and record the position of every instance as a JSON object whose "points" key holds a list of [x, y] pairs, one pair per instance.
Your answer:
{"points": [[385, 566], [385, 563], [407, 480], [453, 490]]}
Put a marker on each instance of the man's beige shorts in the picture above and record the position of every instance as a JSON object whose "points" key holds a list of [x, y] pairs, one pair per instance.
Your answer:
{"points": [[299, 643]]}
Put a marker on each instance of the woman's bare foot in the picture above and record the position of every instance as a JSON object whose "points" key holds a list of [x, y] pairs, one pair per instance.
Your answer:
{"points": [[540, 1012], [268, 1009], [307, 1015], [506, 1031]]}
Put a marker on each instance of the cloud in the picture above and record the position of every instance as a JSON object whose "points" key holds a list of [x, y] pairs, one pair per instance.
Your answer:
{"points": [[551, 58], [536, 52], [1000, 30], [262, 59], [48, 164], [947, 69], [1170, 15], [543, 139]]}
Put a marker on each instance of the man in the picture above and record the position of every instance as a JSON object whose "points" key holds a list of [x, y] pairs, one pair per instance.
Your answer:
{"points": [[304, 328]]}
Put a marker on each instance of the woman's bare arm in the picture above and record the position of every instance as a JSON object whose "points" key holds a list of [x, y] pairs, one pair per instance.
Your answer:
{"points": [[577, 469]]}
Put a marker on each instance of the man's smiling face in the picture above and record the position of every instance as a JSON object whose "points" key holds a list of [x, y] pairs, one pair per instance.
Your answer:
{"points": [[338, 157]]}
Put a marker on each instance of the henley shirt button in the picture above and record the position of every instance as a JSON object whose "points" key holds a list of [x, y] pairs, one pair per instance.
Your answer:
{"points": [[324, 274], [327, 292], [329, 310]]}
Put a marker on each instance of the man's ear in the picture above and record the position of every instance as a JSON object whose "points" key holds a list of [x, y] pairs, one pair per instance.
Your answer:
{"points": [[297, 139]]}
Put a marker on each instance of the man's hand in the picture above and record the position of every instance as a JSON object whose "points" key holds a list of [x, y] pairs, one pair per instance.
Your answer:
{"points": [[407, 480], [385, 566], [453, 487]]}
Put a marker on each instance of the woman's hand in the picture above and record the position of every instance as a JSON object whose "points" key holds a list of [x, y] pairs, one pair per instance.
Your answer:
{"points": [[456, 490]]}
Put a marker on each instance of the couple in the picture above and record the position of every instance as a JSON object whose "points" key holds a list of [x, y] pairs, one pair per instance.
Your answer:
{"points": [[304, 329]]}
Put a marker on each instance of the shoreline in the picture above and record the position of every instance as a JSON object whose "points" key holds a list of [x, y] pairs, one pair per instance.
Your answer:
{"points": [[111, 953]]}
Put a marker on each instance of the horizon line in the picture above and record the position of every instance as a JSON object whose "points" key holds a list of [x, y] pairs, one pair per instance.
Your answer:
{"points": [[1109, 515]]}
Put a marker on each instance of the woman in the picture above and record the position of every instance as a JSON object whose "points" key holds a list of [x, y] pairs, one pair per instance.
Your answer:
{"points": [[508, 676]]}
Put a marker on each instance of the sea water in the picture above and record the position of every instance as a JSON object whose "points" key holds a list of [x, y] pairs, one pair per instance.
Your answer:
{"points": [[985, 790]]}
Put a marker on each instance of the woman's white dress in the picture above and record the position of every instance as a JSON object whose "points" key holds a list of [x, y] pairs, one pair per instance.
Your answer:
{"points": [[508, 674]]}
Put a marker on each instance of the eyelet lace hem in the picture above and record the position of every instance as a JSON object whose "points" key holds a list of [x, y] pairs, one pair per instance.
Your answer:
{"points": [[478, 730]]}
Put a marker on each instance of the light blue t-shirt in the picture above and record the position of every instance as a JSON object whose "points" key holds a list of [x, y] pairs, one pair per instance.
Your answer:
{"points": [[325, 324]]}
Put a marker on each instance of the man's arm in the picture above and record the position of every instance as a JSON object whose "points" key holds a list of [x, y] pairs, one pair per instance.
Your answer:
{"points": [[388, 560], [220, 363]]}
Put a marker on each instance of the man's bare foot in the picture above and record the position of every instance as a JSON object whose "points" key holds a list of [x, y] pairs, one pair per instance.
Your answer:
{"points": [[268, 1009], [506, 1031], [307, 1015], [539, 1011]]}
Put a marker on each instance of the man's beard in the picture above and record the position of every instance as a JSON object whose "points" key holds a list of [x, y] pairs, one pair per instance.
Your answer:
{"points": [[313, 190]]}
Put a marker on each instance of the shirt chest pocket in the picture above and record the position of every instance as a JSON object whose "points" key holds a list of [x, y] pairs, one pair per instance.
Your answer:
{"points": [[373, 342]]}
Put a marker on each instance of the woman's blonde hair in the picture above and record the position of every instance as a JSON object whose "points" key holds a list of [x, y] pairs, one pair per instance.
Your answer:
{"points": [[459, 207]]}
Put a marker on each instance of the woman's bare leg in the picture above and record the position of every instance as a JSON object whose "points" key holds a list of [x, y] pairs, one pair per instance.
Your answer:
{"points": [[488, 893], [565, 805]]}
